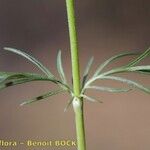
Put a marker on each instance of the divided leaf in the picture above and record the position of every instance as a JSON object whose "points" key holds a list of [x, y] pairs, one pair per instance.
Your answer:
{"points": [[31, 59], [41, 97], [60, 68]]}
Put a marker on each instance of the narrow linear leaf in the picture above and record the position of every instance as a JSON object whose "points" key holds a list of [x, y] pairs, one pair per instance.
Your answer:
{"points": [[60, 68], [10, 79], [17, 75], [108, 89], [128, 69], [129, 82], [87, 70], [14, 82], [147, 72], [4, 76], [68, 104], [139, 68], [31, 59], [90, 98], [41, 97], [138, 59], [104, 64]]}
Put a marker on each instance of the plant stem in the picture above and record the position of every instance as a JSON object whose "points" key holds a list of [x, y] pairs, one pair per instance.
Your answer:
{"points": [[78, 102], [79, 119], [74, 46]]}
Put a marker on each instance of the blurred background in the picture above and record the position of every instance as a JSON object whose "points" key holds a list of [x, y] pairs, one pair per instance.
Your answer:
{"points": [[105, 28]]}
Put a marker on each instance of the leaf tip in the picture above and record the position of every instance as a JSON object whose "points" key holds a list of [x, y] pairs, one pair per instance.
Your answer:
{"points": [[59, 52], [100, 101], [6, 48], [22, 104], [65, 110]]}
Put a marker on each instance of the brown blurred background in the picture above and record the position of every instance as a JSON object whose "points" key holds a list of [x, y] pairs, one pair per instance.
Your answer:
{"points": [[105, 28]]}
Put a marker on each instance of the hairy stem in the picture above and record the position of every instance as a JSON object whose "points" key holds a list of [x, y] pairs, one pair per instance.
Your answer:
{"points": [[78, 102]]}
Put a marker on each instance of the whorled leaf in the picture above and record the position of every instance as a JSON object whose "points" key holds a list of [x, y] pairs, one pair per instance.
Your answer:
{"points": [[116, 57], [31, 59], [128, 69], [90, 98], [14, 82], [68, 104], [139, 68], [10, 78], [143, 71], [138, 59], [86, 71], [108, 89], [42, 97], [129, 82], [105, 75], [60, 68]]}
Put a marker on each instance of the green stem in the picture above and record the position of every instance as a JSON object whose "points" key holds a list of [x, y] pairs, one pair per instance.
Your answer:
{"points": [[78, 102], [79, 118], [74, 46]]}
